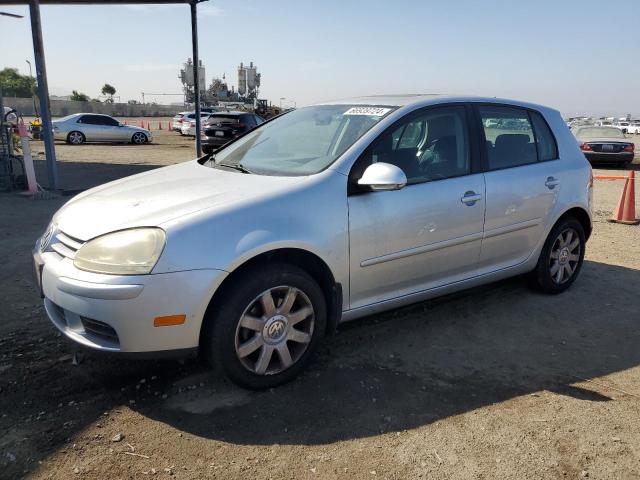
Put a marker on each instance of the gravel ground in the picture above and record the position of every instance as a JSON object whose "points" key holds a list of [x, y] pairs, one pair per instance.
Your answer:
{"points": [[494, 382]]}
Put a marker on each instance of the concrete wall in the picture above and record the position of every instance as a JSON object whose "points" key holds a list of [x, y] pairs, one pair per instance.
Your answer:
{"points": [[60, 108]]}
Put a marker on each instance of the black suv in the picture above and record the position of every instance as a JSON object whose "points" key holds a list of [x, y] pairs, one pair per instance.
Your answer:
{"points": [[222, 127]]}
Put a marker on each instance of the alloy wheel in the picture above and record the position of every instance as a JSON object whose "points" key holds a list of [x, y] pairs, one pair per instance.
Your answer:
{"points": [[275, 330], [76, 138], [139, 138], [565, 256]]}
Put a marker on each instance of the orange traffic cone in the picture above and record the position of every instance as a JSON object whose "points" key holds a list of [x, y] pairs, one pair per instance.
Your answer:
{"points": [[148, 126], [125, 122], [626, 210], [141, 123], [159, 125]]}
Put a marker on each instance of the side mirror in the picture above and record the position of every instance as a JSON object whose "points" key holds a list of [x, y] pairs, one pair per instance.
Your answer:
{"points": [[383, 176]]}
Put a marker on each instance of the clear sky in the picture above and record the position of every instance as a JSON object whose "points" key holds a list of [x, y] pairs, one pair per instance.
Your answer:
{"points": [[580, 56]]}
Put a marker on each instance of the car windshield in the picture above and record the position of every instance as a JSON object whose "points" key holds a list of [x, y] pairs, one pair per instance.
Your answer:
{"points": [[606, 132], [303, 141]]}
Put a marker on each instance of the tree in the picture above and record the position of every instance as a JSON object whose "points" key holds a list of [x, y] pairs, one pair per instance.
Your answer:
{"points": [[110, 91], [15, 85], [79, 97]]}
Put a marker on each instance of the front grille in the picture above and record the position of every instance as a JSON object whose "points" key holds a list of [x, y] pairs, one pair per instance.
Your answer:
{"points": [[609, 148], [65, 245], [99, 329]]}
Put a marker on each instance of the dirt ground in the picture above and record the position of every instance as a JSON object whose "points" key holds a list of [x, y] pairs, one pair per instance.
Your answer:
{"points": [[494, 382]]}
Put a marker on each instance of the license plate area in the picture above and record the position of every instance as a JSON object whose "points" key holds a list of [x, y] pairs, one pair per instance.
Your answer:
{"points": [[607, 148], [219, 133]]}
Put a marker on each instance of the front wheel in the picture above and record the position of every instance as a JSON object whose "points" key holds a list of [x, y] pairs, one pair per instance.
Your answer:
{"points": [[268, 326], [139, 138], [561, 257]]}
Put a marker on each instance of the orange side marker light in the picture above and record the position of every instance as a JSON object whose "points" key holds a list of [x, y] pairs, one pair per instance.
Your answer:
{"points": [[169, 320]]}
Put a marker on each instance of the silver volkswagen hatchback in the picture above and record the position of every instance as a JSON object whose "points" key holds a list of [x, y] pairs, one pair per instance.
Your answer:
{"points": [[319, 216]]}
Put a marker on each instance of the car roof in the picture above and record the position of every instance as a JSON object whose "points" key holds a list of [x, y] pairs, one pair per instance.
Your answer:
{"points": [[426, 99]]}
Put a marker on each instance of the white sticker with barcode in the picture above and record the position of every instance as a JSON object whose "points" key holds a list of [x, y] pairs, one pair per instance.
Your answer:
{"points": [[372, 111]]}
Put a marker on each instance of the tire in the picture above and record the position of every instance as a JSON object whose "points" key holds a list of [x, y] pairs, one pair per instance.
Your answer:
{"points": [[559, 264], [244, 338], [76, 138], [139, 138]]}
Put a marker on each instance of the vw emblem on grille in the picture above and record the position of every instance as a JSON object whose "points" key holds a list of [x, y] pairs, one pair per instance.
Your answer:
{"points": [[46, 237]]}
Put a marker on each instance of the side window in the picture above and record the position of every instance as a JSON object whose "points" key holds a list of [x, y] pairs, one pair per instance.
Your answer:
{"points": [[510, 141], [111, 122], [432, 145], [546, 142], [86, 119]]}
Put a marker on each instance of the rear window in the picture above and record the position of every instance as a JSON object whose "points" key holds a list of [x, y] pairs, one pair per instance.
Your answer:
{"points": [[223, 119], [604, 132]]}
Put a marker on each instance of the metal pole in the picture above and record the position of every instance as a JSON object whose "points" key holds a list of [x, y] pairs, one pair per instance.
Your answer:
{"points": [[196, 77], [43, 93]]}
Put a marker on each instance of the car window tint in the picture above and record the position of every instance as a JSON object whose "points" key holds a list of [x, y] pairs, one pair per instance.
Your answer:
{"points": [[431, 146], [111, 122], [510, 141], [87, 119], [547, 148]]}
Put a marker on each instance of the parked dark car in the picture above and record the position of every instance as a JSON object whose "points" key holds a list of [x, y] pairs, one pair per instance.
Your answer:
{"points": [[221, 128], [604, 145]]}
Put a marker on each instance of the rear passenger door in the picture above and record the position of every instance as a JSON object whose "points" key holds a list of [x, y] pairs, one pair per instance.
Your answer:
{"points": [[522, 183], [89, 125]]}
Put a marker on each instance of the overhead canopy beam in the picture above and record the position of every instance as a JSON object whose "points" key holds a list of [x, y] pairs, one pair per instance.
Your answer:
{"points": [[41, 69]]}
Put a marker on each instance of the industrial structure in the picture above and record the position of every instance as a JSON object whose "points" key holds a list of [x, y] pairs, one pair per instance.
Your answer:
{"points": [[187, 77], [248, 81]]}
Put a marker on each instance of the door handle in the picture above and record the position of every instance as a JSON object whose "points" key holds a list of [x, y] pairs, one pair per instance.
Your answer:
{"points": [[551, 183], [470, 198]]}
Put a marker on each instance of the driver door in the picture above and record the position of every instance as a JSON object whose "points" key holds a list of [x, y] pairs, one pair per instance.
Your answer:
{"points": [[428, 233]]}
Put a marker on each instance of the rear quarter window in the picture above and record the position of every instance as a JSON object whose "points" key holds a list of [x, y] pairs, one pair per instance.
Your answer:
{"points": [[545, 141]]}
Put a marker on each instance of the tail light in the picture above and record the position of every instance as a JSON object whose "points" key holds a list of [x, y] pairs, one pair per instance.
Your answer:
{"points": [[585, 147], [239, 125], [629, 148]]}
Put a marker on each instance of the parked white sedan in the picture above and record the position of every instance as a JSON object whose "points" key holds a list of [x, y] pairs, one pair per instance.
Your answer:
{"points": [[319, 216], [79, 128]]}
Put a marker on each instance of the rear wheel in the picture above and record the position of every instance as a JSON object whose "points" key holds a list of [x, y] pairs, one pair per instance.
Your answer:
{"points": [[139, 138], [561, 257], [268, 327], [76, 138]]}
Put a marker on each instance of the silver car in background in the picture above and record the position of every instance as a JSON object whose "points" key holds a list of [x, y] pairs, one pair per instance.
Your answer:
{"points": [[322, 215], [79, 128]]}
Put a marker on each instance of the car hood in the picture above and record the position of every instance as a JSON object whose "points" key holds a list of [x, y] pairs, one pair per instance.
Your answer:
{"points": [[158, 196]]}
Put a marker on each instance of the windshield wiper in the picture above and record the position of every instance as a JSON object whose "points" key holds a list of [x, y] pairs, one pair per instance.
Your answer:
{"points": [[236, 166]]}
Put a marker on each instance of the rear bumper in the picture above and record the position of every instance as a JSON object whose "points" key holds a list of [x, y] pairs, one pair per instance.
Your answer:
{"points": [[215, 141], [598, 157], [115, 314]]}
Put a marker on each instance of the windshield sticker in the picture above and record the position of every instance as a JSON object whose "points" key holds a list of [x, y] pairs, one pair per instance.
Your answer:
{"points": [[372, 111]]}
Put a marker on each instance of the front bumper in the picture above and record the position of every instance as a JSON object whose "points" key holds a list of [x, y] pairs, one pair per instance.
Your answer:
{"points": [[114, 313]]}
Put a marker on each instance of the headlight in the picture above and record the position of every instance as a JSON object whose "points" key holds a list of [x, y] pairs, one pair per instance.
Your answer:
{"points": [[127, 252]]}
